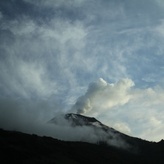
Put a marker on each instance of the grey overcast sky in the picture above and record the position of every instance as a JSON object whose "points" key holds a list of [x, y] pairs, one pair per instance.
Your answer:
{"points": [[101, 58]]}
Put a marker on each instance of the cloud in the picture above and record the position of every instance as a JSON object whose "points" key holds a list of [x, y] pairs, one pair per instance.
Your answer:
{"points": [[158, 30], [37, 57], [24, 79], [103, 96], [122, 127], [160, 3], [123, 106], [54, 51], [143, 113], [57, 3], [133, 111], [1, 15], [32, 118]]}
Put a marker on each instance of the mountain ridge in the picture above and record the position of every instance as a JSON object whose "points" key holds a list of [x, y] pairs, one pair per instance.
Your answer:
{"points": [[18, 147], [111, 136]]}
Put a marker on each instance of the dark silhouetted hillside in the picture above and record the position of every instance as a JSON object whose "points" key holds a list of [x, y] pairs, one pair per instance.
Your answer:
{"points": [[16, 147]]}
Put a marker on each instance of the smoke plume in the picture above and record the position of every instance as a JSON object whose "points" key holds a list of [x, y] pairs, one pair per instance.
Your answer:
{"points": [[103, 96]]}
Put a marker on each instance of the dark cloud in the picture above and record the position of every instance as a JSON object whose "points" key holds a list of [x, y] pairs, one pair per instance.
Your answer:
{"points": [[39, 11], [15, 9]]}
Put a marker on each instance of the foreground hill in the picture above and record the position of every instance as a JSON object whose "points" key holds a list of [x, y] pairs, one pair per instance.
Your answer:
{"points": [[17, 147]]}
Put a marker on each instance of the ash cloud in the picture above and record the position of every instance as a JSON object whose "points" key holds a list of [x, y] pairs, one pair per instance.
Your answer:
{"points": [[103, 96]]}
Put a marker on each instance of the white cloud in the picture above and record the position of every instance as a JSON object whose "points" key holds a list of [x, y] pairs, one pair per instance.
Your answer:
{"points": [[149, 96], [160, 3], [22, 28], [159, 28], [34, 78], [133, 111], [36, 48], [26, 79], [153, 134], [103, 96], [122, 127], [155, 122]]}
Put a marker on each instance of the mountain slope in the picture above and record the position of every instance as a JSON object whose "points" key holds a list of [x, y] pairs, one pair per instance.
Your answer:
{"points": [[105, 134], [20, 148]]}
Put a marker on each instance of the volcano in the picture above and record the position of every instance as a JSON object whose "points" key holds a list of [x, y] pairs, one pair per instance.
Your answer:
{"points": [[18, 147], [106, 135], [80, 120]]}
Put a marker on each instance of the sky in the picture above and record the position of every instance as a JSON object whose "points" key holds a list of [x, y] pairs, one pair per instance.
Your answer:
{"points": [[100, 58]]}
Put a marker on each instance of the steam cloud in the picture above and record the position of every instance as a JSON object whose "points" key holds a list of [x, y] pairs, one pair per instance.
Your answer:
{"points": [[103, 96]]}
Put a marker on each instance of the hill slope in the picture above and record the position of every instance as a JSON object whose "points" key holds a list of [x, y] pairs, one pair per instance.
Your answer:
{"points": [[105, 134], [17, 147], [22, 148]]}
